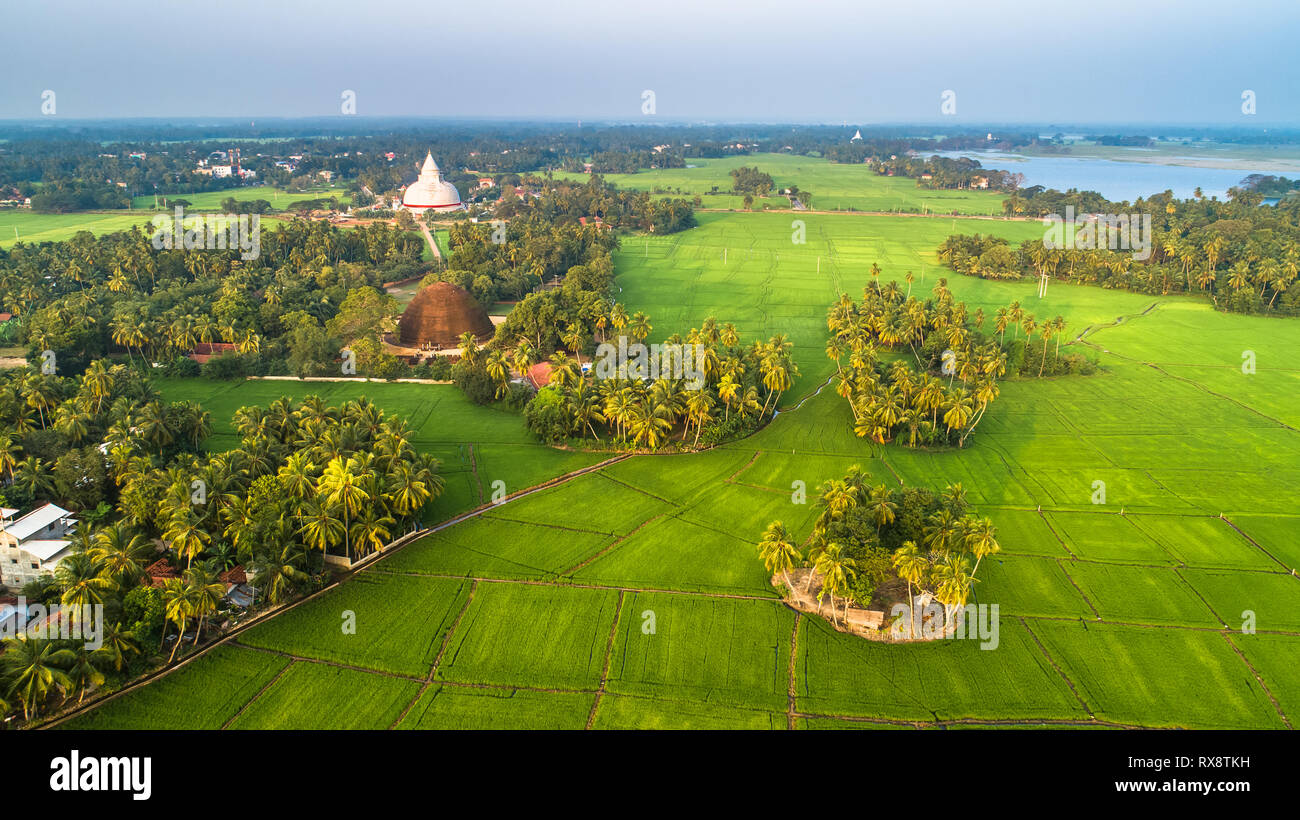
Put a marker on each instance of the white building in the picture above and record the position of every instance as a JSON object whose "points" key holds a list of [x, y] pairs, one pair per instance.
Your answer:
{"points": [[33, 545], [431, 192]]}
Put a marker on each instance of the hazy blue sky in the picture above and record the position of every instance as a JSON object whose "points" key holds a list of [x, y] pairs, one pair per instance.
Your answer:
{"points": [[856, 60]]}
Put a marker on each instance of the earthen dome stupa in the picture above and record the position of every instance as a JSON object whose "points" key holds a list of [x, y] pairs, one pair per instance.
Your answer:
{"points": [[439, 314]]}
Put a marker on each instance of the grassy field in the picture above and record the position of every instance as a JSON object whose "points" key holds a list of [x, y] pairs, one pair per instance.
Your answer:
{"points": [[833, 187], [632, 597]]}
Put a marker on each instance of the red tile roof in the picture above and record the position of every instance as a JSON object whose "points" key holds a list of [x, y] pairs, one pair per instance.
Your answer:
{"points": [[540, 374], [160, 571], [206, 350], [234, 576]]}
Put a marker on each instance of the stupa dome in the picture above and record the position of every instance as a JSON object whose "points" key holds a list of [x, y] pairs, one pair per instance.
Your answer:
{"points": [[439, 314], [431, 192]]}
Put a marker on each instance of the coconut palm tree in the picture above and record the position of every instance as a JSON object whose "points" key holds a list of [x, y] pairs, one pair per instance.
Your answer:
{"points": [[953, 577], [342, 487], [981, 539], [837, 571], [370, 531], [206, 593], [178, 608], [912, 567], [35, 670], [778, 551], [185, 535], [882, 506]]}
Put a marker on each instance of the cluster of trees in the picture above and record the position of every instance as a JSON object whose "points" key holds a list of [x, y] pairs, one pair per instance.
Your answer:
{"points": [[1270, 185], [533, 252], [626, 162], [751, 181], [52, 430], [76, 195], [1246, 258], [741, 386], [560, 202], [866, 535], [958, 364], [90, 296]]}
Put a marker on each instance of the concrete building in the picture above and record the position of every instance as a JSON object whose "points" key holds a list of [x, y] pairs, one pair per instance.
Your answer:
{"points": [[33, 545]]}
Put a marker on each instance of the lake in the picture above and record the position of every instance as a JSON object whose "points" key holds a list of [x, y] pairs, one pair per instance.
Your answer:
{"points": [[1117, 181]]}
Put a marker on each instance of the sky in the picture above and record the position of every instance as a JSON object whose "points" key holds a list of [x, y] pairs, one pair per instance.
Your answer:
{"points": [[859, 61]]}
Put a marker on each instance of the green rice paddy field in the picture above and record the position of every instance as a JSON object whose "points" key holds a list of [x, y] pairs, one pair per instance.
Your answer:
{"points": [[632, 597], [834, 187]]}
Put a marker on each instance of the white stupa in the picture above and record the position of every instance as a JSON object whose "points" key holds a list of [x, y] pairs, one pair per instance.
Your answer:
{"points": [[431, 192]]}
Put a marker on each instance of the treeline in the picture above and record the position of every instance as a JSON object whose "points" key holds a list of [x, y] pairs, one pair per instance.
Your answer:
{"points": [[1245, 257], [530, 252], [75, 195], [90, 296], [625, 162]]}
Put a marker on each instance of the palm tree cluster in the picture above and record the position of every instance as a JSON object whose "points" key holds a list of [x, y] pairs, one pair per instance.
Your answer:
{"points": [[959, 365], [742, 385], [306, 478], [52, 429], [865, 535]]}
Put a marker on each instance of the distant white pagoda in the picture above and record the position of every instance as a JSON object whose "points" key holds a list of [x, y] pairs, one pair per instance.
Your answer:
{"points": [[431, 192]]}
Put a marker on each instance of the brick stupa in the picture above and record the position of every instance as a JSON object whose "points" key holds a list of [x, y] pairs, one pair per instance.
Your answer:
{"points": [[439, 314]]}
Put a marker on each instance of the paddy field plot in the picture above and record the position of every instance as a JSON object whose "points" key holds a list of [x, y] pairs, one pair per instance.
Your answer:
{"points": [[388, 623], [1272, 598], [1277, 535], [444, 706], [34, 228], [1023, 585], [203, 694], [546, 637], [677, 647], [1158, 677], [671, 552], [1107, 537], [628, 712], [1156, 595], [319, 696], [839, 674], [1275, 658], [486, 547]]}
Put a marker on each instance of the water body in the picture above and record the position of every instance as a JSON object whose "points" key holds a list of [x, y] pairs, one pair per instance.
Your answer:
{"points": [[1117, 181]]}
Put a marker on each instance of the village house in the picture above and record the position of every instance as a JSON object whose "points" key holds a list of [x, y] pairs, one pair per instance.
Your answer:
{"points": [[33, 545]]}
